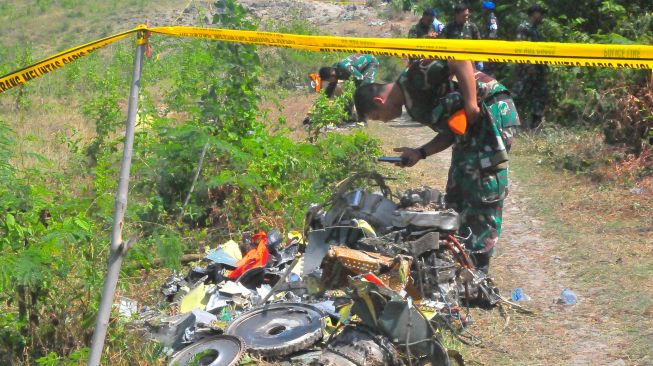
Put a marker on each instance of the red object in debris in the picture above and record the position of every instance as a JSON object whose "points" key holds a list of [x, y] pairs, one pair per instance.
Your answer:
{"points": [[372, 278], [257, 257]]}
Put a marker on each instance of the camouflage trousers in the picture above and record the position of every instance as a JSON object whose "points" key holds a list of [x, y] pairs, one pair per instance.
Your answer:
{"points": [[478, 198], [531, 92], [476, 189]]}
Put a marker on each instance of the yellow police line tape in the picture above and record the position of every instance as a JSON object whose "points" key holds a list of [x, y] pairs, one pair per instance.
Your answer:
{"points": [[563, 54]]}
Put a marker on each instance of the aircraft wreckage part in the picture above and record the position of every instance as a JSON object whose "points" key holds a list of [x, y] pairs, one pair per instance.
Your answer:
{"points": [[356, 346], [443, 220], [342, 262], [279, 329], [425, 197], [377, 210], [398, 320], [405, 325], [319, 242], [222, 350]]}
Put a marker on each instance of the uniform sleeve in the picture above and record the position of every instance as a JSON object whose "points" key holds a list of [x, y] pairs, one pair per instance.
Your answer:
{"points": [[330, 89], [476, 34]]}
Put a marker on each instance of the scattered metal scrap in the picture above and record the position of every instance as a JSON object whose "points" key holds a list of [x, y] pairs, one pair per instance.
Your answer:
{"points": [[379, 275], [279, 329], [222, 350]]}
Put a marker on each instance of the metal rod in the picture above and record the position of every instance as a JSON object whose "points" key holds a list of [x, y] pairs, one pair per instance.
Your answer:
{"points": [[192, 186], [282, 279], [118, 247]]}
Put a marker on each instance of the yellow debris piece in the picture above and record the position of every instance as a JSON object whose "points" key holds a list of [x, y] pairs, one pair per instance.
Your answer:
{"points": [[194, 300], [232, 249]]}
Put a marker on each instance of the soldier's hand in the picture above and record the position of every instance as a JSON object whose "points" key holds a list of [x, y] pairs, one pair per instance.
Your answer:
{"points": [[409, 156], [473, 112]]}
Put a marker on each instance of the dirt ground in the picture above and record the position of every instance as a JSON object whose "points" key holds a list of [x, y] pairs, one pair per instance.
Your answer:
{"points": [[559, 232]]}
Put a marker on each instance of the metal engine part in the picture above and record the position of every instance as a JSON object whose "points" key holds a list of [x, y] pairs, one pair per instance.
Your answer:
{"points": [[342, 262], [424, 196], [222, 350], [279, 329], [443, 220], [358, 346], [319, 242], [377, 210]]}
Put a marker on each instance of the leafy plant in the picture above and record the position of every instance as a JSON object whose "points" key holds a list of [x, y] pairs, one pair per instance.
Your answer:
{"points": [[330, 112]]}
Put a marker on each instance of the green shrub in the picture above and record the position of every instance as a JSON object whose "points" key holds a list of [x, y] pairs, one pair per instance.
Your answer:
{"points": [[330, 112]]}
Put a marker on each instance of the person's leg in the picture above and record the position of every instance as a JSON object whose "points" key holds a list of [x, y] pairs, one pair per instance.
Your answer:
{"points": [[481, 217], [521, 101], [484, 223], [453, 193]]}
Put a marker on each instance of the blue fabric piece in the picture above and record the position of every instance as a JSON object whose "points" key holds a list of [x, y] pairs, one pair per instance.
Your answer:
{"points": [[220, 256]]}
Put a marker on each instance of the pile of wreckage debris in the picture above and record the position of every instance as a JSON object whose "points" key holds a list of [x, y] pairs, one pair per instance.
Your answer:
{"points": [[374, 282]]}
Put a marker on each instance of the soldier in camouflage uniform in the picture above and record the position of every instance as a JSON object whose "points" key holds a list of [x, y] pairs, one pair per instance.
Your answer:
{"points": [[424, 28], [461, 27], [478, 176], [361, 68], [490, 31], [531, 91]]}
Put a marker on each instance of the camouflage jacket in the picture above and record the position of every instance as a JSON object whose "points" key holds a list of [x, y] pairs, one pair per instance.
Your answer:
{"points": [[354, 67], [420, 30], [528, 32], [431, 97], [468, 30]]}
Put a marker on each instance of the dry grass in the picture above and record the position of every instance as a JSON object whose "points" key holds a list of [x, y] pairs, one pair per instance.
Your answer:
{"points": [[31, 24], [605, 234], [49, 129]]}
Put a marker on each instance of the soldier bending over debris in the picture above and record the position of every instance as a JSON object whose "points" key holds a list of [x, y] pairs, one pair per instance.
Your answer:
{"points": [[361, 68], [478, 176]]}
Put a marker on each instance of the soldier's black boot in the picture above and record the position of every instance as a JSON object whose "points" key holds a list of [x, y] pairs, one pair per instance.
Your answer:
{"points": [[482, 262]]}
